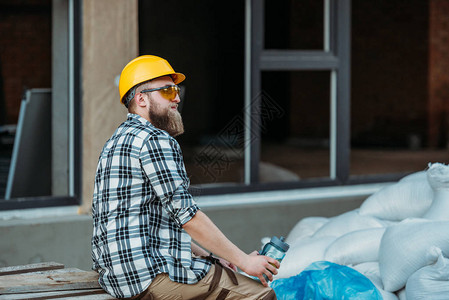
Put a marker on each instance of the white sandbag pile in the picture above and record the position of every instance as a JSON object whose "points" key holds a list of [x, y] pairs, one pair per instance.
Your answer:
{"points": [[348, 222], [305, 228], [398, 238], [409, 246], [343, 252], [408, 198], [438, 178], [430, 282], [302, 253], [371, 271]]}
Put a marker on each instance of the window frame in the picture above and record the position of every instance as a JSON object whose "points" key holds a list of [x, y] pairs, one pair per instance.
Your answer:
{"points": [[336, 58], [74, 48]]}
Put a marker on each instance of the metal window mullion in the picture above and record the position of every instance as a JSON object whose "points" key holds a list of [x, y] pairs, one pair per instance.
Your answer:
{"points": [[77, 103], [332, 25], [327, 26], [71, 66], [343, 49], [329, 11], [257, 41], [247, 93], [333, 125], [294, 60]]}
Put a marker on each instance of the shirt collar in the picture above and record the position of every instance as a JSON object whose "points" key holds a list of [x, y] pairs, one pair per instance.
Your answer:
{"points": [[137, 118]]}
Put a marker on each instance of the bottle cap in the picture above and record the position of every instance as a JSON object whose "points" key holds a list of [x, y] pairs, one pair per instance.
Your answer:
{"points": [[280, 243]]}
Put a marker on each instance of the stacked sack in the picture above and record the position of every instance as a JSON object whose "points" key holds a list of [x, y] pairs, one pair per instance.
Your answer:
{"points": [[398, 238]]}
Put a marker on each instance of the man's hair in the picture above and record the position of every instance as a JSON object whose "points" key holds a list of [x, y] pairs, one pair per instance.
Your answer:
{"points": [[129, 97]]}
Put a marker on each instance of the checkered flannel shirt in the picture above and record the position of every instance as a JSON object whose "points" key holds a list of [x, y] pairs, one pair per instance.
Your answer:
{"points": [[139, 205]]}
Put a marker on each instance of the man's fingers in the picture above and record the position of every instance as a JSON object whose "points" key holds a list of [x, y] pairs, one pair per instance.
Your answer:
{"points": [[273, 261], [271, 269], [272, 265], [262, 280], [269, 275]]}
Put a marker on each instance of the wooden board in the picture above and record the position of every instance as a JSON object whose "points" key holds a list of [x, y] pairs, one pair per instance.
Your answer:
{"points": [[49, 280], [31, 268], [55, 281], [91, 294]]}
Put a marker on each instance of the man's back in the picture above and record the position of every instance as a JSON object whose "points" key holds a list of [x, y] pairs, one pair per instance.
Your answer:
{"points": [[140, 203]]}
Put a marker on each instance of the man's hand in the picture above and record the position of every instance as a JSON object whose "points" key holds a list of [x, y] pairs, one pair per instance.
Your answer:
{"points": [[207, 234], [257, 265]]}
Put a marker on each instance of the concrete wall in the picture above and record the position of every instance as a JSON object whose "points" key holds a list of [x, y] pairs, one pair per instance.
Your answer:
{"points": [[63, 239], [63, 236], [246, 226], [110, 41]]}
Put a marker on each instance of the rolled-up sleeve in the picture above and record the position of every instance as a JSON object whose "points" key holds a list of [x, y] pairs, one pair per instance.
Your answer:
{"points": [[163, 165]]}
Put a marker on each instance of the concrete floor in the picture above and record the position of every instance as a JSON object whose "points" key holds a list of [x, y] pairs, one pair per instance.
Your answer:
{"points": [[227, 167]]}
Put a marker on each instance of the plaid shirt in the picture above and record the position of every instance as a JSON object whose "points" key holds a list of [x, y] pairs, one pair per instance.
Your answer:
{"points": [[139, 205]]}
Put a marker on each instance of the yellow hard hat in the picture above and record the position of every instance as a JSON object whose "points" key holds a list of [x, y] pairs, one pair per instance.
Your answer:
{"points": [[144, 68]]}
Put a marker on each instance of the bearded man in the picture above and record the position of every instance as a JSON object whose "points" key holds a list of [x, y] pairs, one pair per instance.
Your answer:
{"points": [[144, 216]]}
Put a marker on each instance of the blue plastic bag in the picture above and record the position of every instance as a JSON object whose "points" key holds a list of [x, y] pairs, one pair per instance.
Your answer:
{"points": [[326, 280]]}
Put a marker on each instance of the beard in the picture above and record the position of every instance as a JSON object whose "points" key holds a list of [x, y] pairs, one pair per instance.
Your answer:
{"points": [[166, 119]]}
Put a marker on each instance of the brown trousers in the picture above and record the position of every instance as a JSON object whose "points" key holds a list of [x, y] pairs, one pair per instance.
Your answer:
{"points": [[220, 283]]}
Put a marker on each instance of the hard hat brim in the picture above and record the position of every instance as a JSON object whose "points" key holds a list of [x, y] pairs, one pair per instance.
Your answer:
{"points": [[178, 77]]}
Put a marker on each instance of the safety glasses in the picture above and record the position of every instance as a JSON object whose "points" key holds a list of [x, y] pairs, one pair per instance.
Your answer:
{"points": [[169, 92]]}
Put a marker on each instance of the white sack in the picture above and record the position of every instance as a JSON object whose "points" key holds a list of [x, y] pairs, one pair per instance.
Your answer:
{"points": [[386, 295], [430, 282], [421, 175], [306, 227], [439, 210], [438, 178], [409, 246], [402, 295], [371, 271], [301, 254], [404, 199], [355, 247], [348, 222]]}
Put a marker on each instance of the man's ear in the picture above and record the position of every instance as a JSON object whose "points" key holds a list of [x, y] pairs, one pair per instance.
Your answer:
{"points": [[140, 100]]}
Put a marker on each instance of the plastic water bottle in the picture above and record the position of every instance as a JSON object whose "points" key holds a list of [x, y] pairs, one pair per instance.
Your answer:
{"points": [[276, 249]]}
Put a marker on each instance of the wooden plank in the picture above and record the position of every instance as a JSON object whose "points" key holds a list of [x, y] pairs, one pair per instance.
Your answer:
{"points": [[45, 266], [91, 294], [67, 279], [67, 270]]}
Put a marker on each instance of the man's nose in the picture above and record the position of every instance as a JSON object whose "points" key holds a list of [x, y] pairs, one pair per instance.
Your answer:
{"points": [[177, 99]]}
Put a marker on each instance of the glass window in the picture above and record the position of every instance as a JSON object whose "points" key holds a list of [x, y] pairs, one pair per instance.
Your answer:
{"points": [[204, 40], [38, 87], [319, 125], [25, 63], [295, 106], [295, 136], [297, 24], [391, 112]]}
